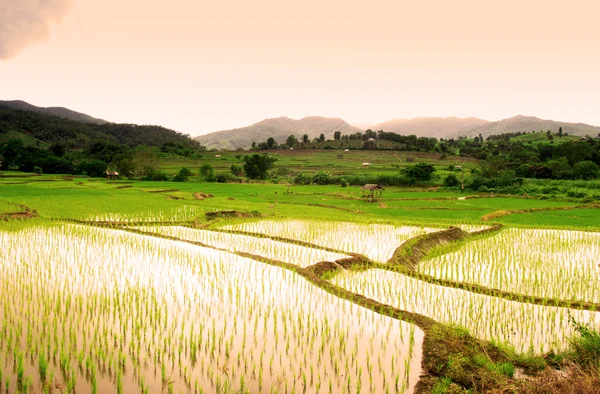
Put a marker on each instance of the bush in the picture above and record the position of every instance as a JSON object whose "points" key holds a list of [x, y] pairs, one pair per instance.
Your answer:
{"points": [[585, 346], [419, 172], [302, 179], [322, 178], [237, 170], [257, 166], [207, 172], [224, 177], [585, 170], [94, 168], [344, 182], [451, 181]]}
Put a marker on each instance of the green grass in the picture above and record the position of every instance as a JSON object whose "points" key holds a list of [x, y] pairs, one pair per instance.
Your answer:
{"points": [[6, 207], [315, 160], [578, 218], [82, 198]]}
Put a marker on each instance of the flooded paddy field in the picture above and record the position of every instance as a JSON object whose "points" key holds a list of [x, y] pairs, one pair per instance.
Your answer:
{"points": [[95, 310]]}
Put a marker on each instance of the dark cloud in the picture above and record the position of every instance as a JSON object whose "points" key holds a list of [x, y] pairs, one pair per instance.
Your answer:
{"points": [[23, 22]]}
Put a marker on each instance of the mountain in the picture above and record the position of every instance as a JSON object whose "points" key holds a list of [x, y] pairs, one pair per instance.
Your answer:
{"points": [[278, 128], [56, 111], [50, 129], [528, 124], [430, 127]]}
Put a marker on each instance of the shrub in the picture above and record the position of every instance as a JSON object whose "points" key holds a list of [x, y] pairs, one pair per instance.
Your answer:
{"points": [[451, 181], [158, 176], [322, 178], [257, 166], [207, 172], [237, 170], [224, 177], [419, 172], [302, 179], [585, 347]]}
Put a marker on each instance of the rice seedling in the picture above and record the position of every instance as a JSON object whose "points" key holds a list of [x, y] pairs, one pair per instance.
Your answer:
{"points": [[527, 327], [544, 263], [113, 311], [294, 254], [185, 212], [376, 241]]}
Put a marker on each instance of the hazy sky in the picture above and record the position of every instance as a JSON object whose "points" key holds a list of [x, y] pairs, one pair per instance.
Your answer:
{"points": [[199, 66]]}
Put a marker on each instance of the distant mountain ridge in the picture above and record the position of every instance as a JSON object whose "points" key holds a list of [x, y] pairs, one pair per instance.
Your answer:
{"points": [[449, 127], [56, 111], [51, 128], [278, 128], [430, 127], [527, 124]]}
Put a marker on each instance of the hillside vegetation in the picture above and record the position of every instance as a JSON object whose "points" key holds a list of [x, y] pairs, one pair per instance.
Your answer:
{"points": [[56, 111], [53, 129]]}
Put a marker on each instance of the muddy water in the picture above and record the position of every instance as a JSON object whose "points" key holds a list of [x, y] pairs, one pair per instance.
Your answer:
{"points": [[162, 316], [527, 327]]}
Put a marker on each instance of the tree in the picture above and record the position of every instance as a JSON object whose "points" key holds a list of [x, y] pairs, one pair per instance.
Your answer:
{"points": [[237, 170], [140, 161], [144, 159], [337, 135], [94, 168], [305, 138], [322, 178], [183, 175], [271, 143], [451, 181], [560, 132], [257, 166], [291, 141], [560, 168], [58, 149], [419, 172], [322, 137], [207, 172], [585, 170]]}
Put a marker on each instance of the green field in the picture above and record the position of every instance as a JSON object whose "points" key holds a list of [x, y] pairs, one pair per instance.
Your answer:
{"points": [[56, 197], [181, 300], [334, 161]]}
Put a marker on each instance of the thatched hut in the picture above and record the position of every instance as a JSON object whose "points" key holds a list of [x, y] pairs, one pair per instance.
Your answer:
{"points": [[112, 175], [372, 191]]}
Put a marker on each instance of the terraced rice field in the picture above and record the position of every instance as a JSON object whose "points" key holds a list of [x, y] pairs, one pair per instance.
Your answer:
{"points": [[185, 212], [376, 241], [544, 263], [94, 310], [527, 327], [301, 256]]}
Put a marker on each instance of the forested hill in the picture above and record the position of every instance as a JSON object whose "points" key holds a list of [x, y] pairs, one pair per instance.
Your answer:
{"points": [[53, 129], [56, 111]]}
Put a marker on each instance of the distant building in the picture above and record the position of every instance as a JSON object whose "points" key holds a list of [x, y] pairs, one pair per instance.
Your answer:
{"points": [[366, 164], [112, 175]]}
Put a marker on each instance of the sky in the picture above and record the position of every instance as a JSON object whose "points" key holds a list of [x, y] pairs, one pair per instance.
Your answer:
{"points": [[199, 66]]}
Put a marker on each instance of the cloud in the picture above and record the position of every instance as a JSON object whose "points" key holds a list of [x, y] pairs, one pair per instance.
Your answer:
{"points": [[24, 22]]}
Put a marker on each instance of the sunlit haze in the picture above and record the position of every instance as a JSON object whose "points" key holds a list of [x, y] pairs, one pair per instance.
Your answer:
{"points": [[199, 66]]}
